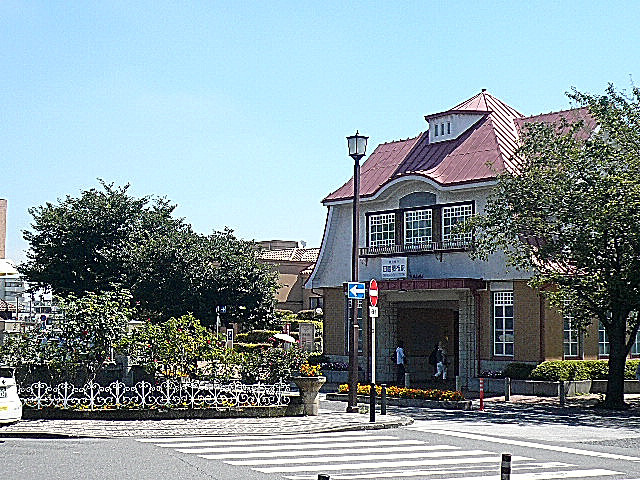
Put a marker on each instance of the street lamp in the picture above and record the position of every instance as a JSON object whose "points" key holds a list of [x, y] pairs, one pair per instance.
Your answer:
{"points": [[357, 148]]}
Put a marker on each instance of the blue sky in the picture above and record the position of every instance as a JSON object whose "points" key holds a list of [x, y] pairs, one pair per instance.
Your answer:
{"points": [[238, 111]]}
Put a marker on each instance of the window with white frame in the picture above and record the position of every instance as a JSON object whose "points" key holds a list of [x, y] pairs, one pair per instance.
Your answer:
{"points": [[417, 227], [382, 229], [452, 216], [635, 348], [603, 340], [503, 323], [571, 341]]}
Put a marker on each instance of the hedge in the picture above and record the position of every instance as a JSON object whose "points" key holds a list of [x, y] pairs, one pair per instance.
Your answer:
{"points": [[556, 370]]}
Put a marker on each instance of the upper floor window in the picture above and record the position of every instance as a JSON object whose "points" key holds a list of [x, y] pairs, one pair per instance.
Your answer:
{"points": [[451, 216], [635, 348], [603, 340], [503, 323], [382, 229], [571, 342], [436, 130], [417, 227], [448, 128]]}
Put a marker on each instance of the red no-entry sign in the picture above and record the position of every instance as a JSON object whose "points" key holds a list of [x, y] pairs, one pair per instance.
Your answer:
{"points": [[373, 292]]}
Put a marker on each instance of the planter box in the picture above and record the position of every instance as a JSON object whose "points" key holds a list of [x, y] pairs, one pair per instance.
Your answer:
{"points": [[600, 386], [336, 376], [532, 387], [407, 402]]}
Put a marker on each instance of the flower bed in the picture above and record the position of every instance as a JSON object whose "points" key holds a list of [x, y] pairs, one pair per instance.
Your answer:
{"points": [[413, 393]]}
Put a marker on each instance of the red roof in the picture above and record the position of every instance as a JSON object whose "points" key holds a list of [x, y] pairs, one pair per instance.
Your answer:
{"points": [[307, 255], [482, 151], [571, 116]]}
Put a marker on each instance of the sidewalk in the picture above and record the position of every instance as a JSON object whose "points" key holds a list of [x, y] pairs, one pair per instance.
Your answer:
{"points": [[331, 418]]}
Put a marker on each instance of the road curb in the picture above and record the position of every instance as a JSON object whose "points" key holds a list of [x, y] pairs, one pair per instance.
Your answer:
{"points": [[398, 421]]}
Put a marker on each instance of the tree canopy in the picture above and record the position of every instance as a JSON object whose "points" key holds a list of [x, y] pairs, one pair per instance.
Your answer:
{"points": [[106, 238], [571, 214]]}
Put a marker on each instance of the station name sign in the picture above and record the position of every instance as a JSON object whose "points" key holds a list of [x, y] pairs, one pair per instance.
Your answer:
{"points": [[394, 268]]}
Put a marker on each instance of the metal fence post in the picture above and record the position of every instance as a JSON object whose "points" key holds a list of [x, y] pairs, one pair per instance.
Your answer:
{"points": [[458, 383], [481, 388], [322, 476], [505, 467], [383, 400], [507, 389], [372, 403], [562, 393]]}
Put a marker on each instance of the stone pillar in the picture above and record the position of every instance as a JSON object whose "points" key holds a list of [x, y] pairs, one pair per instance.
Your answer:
{"points": [[3, 227], [467, 334]]}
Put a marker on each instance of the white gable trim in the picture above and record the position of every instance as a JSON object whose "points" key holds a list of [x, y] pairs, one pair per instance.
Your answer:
{"points": [[419, 178], [309, 284]]}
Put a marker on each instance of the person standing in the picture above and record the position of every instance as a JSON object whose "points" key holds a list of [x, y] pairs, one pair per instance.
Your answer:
{"points": [[433, 359], [441, 365], [400, 363]]}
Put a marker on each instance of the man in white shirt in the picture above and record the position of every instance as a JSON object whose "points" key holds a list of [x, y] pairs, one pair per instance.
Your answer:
{"points": [[400, 362]]}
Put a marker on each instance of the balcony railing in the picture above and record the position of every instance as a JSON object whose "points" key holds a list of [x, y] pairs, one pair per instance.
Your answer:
{"points": [[429, 247]]}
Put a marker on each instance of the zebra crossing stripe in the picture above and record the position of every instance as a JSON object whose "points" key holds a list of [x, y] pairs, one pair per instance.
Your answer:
{"points": [[489, 476], [388, 464], [252, 437], [519, 443], [430, 472], [365, 448], [302, 447], [358, 457], [281, 441]]}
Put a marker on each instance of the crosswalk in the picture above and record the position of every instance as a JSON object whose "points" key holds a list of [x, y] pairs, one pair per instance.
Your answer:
{"points": [[365, 456]]}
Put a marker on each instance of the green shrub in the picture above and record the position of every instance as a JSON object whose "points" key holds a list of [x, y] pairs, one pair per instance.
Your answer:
{"points": [[316, 358], [599, 369], [579, 370], [556, 370], [518, 370], [630, 369], [242, 347], [256, 336]]}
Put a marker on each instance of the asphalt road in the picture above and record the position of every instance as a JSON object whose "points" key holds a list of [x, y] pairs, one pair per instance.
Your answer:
{"points": [[546, 442], [434, 449]]}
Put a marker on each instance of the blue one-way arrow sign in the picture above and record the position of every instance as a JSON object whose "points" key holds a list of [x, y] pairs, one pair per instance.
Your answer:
{"points": [[355, 290]]}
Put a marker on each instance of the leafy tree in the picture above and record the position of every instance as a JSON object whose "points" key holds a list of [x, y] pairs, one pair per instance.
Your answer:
{"points": [[174, 347], [92, 325], [106, 238], [571, 214], [80, 244]]}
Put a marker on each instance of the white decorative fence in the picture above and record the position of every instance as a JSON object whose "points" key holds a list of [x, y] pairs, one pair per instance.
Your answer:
{"points": [[144, 395]]}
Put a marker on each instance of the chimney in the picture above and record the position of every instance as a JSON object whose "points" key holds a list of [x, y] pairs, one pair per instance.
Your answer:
{"points": [[3, 227]]}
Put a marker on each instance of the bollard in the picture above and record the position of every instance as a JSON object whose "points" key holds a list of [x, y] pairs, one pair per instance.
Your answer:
{"points": [[562, 393], [383, 400], [505, 467], [372, 403], [323, 476], [507, 389], [406, 380], [481, 385], [458, 383]]}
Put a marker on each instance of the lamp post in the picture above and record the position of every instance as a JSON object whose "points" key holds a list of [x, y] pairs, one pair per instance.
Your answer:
{"points": [[357, 148]]}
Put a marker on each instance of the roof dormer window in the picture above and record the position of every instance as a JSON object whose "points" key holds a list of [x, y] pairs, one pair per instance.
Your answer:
{"points": [[448, 128], [436, 132]]}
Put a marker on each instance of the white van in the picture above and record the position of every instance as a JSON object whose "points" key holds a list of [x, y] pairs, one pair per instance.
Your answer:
{"points": [[10, 404]]}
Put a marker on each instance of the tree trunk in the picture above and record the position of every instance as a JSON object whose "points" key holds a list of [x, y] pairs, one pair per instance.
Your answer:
{"points": [[617, 360]]}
